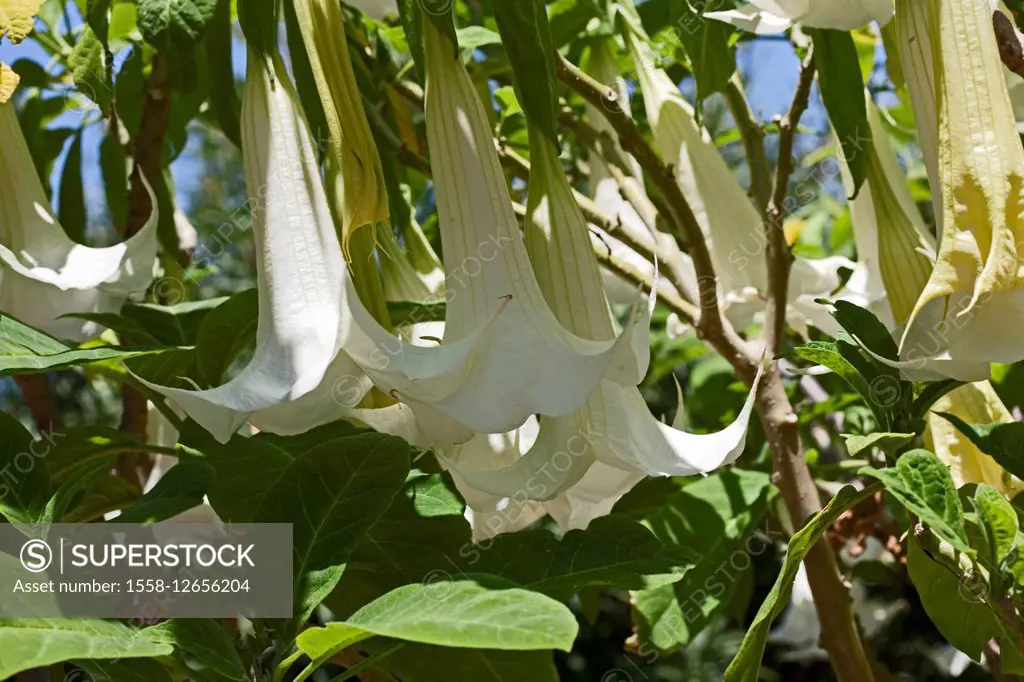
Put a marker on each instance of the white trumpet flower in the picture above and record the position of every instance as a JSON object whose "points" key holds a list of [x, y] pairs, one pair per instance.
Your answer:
{"points": [[505, 356], [286, 387], [729, 221], [976, 285], [518, 359], [578, 465], [778, 16], [43, 273]]}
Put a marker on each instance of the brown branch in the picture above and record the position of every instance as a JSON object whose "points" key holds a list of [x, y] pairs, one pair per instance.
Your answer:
{"points": [[839, 635], [651, 251], [148, 149], [1010, 41], [711, 326], [752, 135], [777, 253], [39, 398]]}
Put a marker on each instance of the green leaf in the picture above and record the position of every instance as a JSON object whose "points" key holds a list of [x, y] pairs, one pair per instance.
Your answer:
{"points": [[998, 519], [613, 551], [475, 611], [960, 616], [527, 39], [182, 488], [331, 489], [91, 69], [922, 483], [72, 194], [1003, 442], [38, 642], [69, 492], [842, 91], [707, 44], [174, 325], [423, 533], [129, 670], [865, 326], [225, 334], [746, 666], [472, 37], [26, 350], [889, 443], [25, 483], [930, 394], [715, 517], [174, 24], [224, 99], [426, 663], [203, 644]]}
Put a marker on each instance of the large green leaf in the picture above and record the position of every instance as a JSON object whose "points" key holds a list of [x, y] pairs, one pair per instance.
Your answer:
{"points": [[180, 489], [225, 333], [922, 483], [715, 517], [29, 643], [613, 551], [842, 91], [1003, 442], [474, 611], [746, 666], [92, 75], [26, 350], [999, 521], [332, 490], [128, 670], [960, 616], [422, 536]]}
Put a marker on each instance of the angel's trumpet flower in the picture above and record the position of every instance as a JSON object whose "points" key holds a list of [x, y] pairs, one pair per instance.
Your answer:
{"points": [[729, 221], [894, 251], [523, 360], [43, 273], [778, 16], [971, 312], [301, 277], [615, 429]]}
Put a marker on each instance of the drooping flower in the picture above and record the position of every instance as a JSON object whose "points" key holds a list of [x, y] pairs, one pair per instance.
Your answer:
{"points": [[523, 360], [778, 16], [729, 221], [504, 355], [577, 465], [895, 252], [978, 174], [301, 279], [43, 273]]}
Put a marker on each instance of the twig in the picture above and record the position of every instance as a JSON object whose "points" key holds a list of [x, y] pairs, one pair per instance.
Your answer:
{"points": [[711, 325], [752, 135], [651, 251], [777, 253]]}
